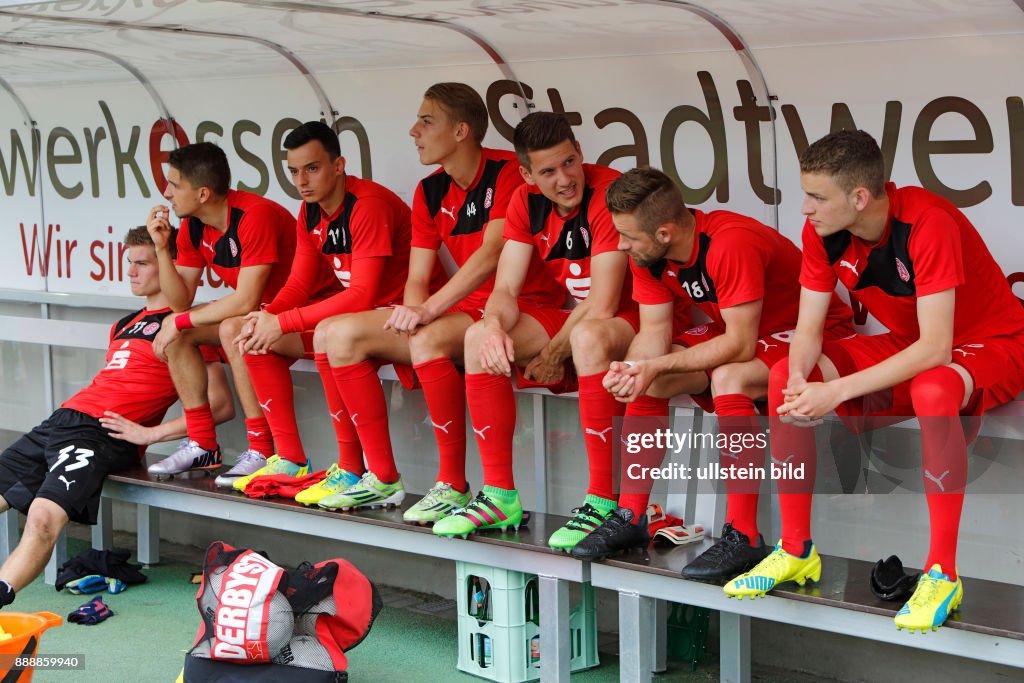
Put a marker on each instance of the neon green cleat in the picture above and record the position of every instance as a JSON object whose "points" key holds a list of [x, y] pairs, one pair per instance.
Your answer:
{"points": [[778, 567], [368, 492], [437, 504], [934, 599], [592, 514], [336, 481], [493, 508], [275, 465]]}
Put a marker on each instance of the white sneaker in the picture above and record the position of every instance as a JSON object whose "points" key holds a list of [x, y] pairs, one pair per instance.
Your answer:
{"points": [[189, 457], [248, 462]]}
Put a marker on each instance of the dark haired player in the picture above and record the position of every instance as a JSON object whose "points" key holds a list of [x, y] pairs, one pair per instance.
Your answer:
{"points": [[248, 242], [356, 233], [955, 347], [559, 216], [738, 272], [55, 472]]}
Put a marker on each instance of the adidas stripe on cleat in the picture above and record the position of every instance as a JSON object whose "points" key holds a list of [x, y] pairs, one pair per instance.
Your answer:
{"points": [[190, 457], [275, 465], [486, 511], [934, 599], [585, 519], [369, 491], [336, 481], [778, 567], [437, 504]]}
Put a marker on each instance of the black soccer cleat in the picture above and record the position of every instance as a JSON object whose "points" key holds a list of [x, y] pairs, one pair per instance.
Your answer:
{"points": [[618, 534], [730, 556]]}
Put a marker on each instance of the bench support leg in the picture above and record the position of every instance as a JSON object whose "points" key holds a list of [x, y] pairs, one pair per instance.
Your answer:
{"points": [[9, 532], [636, 619], [103, 531], [554, 630], [57, 558], [734, 647], [660, 631], [148, 534]]}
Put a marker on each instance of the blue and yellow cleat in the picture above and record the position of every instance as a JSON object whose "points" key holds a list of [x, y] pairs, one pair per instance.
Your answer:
{"points": [[778, 567], [934, 599]]}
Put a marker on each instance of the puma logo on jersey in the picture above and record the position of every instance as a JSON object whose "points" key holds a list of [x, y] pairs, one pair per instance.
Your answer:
{"points": [[766, 344], [317, 232], [207, 245], [852, 266], [337, 416], [444, 427], [66, 482], [480, 432], [546, 238], [266, 406], [448, 212], [937, 480], [599, 434]]}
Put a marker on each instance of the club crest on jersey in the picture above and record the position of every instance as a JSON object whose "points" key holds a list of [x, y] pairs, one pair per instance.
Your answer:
{"points": [[489, 198], [233, 245], [700, 329], [586, 235], [902, 270], [150, 329]]}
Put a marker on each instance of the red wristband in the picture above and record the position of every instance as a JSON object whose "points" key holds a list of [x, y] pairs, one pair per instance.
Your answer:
{"points": [[183, 321]]}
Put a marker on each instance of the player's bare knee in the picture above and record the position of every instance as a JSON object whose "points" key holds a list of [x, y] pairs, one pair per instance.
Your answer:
{"points": [[229, 329], [591, 343], [45, 520], [430, 342], [474, 339], [340, 340], [320, 337], [731, 378]]}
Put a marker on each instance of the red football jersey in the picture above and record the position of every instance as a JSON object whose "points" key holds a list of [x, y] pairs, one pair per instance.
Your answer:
{"points": [[566, 243], [259, 232], [442, 212], [134, 382], [928, 246], [372, 221], [735, 260]]}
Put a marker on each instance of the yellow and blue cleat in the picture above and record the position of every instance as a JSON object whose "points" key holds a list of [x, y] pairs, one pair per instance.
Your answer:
{"points": [[934, 599], [275, 465], [778, 567]]}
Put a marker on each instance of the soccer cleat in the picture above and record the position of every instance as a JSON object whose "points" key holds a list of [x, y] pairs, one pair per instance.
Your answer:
{"points": [[190, 457], [618, 534], [778, 567], [589, 516], [486, 511], [730, 556], [275, 465], [336, 481], [248, 462], [368, 492], [439, 501], [934, 599]]}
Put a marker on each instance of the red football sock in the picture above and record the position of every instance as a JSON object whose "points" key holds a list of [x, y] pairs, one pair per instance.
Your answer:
{"points": [[350, 452], [363, 395], [653, 414], [272, 381], [795, 445], [199, 423], [257, 430], [737, 421], [445, 393], [936, 395], [597, 410], [492, 407]]}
